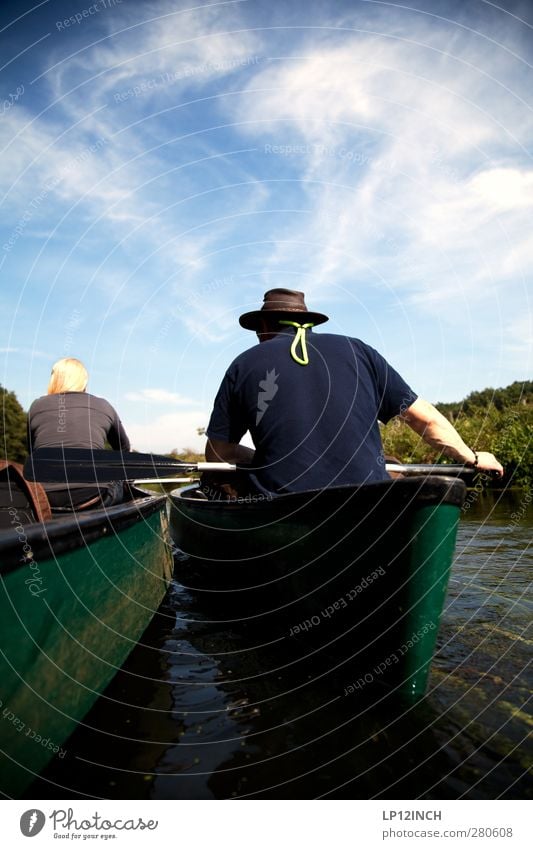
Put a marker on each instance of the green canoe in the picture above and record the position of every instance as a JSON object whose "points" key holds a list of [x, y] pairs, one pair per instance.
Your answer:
{"points": [[76, 594], [351, 580]]}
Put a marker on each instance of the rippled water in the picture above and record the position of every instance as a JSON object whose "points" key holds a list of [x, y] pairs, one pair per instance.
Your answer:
{"points": [[201, 711]]}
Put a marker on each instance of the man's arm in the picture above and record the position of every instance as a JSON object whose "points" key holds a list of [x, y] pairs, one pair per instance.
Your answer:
{"points": [[437, 431], [217, 451]]}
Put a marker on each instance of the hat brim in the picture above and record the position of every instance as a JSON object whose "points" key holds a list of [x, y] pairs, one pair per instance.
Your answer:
{"points": [[252, 320]]}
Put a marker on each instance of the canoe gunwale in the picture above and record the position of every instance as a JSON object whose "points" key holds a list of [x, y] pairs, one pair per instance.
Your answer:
{"points": [[426, 490], [69, 532], [232, 533]]}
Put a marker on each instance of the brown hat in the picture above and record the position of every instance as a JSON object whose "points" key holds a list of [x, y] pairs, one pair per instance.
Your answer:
{"points": [[282, 303]]}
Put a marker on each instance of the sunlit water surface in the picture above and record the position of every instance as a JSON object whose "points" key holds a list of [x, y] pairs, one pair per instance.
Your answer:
{"points": [[203, 711]]}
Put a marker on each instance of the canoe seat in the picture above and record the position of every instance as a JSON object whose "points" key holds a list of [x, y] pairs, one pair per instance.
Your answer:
{"points": [[198, 493], [21, 502]]}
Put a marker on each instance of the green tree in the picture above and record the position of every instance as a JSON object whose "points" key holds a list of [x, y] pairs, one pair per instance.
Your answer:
{"points": [[13, 444], [497, 420]]}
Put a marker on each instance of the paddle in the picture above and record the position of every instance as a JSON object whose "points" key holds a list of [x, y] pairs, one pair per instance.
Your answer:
{"points": [[430, 469], [83, 465]]}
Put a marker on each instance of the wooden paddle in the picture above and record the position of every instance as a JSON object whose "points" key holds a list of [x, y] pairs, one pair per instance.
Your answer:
{"points": [[83, 465]]}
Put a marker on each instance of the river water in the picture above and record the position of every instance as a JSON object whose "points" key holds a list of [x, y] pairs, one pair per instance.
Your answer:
{"points": [[200, 711]]}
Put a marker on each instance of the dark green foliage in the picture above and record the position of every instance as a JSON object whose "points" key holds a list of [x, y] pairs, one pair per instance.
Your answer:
{"points": [[496, 420], [518, 393], [12, 428]]}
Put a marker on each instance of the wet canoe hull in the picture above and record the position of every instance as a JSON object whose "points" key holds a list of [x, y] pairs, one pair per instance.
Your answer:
{"points": [[354, 577], [76, 596]]}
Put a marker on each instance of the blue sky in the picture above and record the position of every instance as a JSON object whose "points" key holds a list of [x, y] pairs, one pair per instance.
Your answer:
{"points": [[165, 163]]}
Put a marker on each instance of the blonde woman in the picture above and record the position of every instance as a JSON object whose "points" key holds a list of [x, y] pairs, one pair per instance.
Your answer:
{"points": [[68, 416]]}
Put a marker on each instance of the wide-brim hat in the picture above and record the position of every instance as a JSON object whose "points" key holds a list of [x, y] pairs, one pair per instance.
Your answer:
{"points": [[284, 304]]}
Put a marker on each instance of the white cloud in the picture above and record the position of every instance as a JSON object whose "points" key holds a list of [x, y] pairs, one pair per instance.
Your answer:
{"points": [[162, 434], [503, 189], [27, 352], [106, 165], [519, 339], [158, 396], [414, 181], [410, 178], [186, 47]]}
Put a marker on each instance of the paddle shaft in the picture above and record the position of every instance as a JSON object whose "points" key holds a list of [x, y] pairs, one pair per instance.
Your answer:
{"points": [[430, 469], [82, 465]]}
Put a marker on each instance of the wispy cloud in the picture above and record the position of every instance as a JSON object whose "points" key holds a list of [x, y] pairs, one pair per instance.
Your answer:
{"points": [[26, 352], [159, 396], [112, 161], [409, 174], [168, 165]]}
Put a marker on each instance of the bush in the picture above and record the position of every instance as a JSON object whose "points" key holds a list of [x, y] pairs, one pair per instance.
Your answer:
{"points": [[13, 444], [506, 431]]}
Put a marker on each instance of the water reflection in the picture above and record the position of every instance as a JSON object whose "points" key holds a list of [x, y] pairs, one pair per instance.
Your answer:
{"points": [[201, 711]]}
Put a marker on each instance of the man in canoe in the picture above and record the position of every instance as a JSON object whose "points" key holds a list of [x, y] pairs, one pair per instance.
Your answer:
{"points": [[70, 417], [312, 403]]}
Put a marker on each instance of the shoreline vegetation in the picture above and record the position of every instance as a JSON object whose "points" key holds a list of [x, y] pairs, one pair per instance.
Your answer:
{"points": [[496, 420]]}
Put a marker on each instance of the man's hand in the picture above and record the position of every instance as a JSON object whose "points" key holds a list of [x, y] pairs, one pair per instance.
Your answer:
{"points": [[487, 462]]}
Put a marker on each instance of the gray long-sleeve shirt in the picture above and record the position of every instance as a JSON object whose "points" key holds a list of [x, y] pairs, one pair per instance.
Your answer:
{"points": [[75, 420]]}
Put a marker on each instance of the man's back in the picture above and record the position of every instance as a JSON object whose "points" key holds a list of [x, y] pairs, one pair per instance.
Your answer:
{"points": [[312, 425]]}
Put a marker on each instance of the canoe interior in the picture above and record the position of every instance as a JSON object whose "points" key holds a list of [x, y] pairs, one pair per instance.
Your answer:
{"points": [[353, 578], [76, 595]]}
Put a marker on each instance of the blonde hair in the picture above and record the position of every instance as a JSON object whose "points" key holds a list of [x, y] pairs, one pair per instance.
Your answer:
{"points": [[68, 375]]}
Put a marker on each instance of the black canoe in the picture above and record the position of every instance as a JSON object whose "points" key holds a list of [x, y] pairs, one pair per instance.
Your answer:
{"points": [[354, 575]]}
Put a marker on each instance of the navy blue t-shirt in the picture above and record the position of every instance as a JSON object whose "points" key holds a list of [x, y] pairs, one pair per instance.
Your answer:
{"points": [[316, 425]]}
